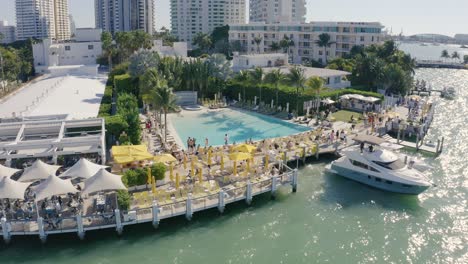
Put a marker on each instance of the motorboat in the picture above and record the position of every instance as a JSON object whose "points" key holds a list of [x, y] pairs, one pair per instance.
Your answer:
{"points": [[378, 167], [448, 93]]}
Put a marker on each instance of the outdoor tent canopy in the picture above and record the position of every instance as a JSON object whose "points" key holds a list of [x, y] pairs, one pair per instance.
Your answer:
{"points": [[82, 169], [53, 185], [38, 171], [130, 153], [6, 171], [10, 189], [103, 181]]}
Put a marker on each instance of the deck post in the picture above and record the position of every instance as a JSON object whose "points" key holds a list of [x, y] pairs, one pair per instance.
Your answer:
{"points": [[6, 231], [221, 203], [441, 145], [189, 209], [248, 194], [118, 222], [42, 233], [79, 224], [438, 146], [317, 150], [155, 210], [417, 141], [303, 155], [273, 185], [398, 136], [294, 180], [285, 158]]}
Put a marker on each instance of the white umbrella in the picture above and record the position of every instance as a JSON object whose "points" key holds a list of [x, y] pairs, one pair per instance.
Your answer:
{"points": [[10, 189], [103, 181], [53, 185], [6, 171], [328, 101], [82, 169], [38, 171]]}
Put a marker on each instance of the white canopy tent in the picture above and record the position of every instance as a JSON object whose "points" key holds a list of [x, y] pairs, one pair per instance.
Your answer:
{"points": [[7, 171], [328, 101], [38, 171], [82, 169], [53, 185], [10, 189], [103, 181]]}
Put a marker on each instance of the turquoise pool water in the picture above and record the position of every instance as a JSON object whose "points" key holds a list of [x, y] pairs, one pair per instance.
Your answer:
{"points": [[239, 125]]}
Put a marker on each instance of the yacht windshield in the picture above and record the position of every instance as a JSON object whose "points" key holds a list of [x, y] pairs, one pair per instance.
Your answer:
{"points": [[394, 165]]}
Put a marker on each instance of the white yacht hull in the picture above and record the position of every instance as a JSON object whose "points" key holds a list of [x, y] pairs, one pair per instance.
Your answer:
{"points": [[370, 181]]}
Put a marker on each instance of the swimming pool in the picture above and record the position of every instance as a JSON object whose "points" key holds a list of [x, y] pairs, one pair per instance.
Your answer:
{"points": [[239, 125]]}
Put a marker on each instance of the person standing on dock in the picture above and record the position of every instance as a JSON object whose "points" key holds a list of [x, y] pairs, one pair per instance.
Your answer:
{"points": [[226, 139], [362, 146], [206, 142]]}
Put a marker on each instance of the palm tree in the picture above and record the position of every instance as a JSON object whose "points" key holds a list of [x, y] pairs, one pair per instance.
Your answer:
{"points": [[275, 77], [256, 78], [275, 46], [455, 55], [203, 41], [108, 47], [445, 54], [286, 43], [243, 76], [149, 83], [316, 85], [257, 41], [324, 42], [166, 100], [296, 78]]}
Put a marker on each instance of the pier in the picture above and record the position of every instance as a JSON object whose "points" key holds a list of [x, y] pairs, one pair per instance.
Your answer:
{"points": [[439, 64]]}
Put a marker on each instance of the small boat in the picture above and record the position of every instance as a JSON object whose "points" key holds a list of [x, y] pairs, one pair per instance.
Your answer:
{"points": [[378, 167], [448, 93], [464, 47], [423, 44]]}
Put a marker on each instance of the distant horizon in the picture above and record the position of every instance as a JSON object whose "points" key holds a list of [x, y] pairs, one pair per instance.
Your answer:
{"points": [[409, 19]]}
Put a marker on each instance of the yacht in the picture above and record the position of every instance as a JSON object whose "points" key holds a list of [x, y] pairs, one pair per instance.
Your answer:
{"points": [[448, 93], [378, 167]]}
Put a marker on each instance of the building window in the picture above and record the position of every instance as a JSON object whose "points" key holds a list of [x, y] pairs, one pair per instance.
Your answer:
{"points": [[90, 47], [362, 38], [378, 179], [67, 48]]}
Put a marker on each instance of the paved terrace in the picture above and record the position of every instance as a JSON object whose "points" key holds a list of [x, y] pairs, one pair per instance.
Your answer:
{"points": [[76, 96]]}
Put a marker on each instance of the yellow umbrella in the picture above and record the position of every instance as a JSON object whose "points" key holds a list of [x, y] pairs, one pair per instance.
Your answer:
{"points": [[235, 168], [244, 148], [130, 153], [149, 181], [200, 175], [164, 158], [209, 157], [237, 156], [222, 162], [192, 166], [171, 171], [266, 162], [248, 165], [177, 180], [185, 162]]}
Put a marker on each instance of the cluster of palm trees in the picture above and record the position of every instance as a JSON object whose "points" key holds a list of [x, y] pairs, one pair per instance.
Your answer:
{"points": [[445, 55], [295, 77]]}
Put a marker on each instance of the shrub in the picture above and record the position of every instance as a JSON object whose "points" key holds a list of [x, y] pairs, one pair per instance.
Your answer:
{"points": [[123, 199], [104, 110], [107, 97], [158, 170], [123, 84], [135, 177], [115, 125], [118, 70]]}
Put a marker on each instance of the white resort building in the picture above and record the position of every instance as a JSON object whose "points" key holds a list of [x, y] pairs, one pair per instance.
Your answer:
{"points": [[343, 35], [8, 32], [277, 11], [249, 61], [189, 17], [178, 49]]}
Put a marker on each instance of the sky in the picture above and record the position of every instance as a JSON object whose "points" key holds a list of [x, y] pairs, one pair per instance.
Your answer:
{"points": [[446, 17]]}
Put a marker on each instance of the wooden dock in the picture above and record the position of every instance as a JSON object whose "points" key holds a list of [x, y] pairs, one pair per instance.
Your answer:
{"points": [[419, 145]]}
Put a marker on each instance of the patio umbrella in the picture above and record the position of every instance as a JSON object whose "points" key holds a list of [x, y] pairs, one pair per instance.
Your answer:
{"points": [[153, 185], [185, 162], [192, 166], [209, 158], [39, 170], [222, 162], [7, 171], [234, 171], [238, 156], [164, 158], [149, 180], [10, 189], [103, 181], [177, 180], [171, 171], [244, 148], [130, 153], [53, 185], [267, 159], [82, 169], [200, 175]]}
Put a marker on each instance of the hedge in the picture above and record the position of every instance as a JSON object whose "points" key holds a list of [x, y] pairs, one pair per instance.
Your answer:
{"points": [[104, 110], [286, 93], [118, 70], [123, 84], [107, 97]]}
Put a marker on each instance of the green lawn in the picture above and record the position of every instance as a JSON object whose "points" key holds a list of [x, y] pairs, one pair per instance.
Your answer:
{"points": [[345, 115]]}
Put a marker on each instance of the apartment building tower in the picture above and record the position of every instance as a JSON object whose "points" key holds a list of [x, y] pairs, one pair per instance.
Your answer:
{"points": [[277, 11]]}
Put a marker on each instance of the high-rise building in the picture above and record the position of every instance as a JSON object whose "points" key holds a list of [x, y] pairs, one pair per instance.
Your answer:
{"points": [[303, 48], [42, 19], [189, 17], [8, 32], [124, 15], [277, 11]]}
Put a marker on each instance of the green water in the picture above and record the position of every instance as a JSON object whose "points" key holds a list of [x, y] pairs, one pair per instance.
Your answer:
{"points": [[329, 219]]}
